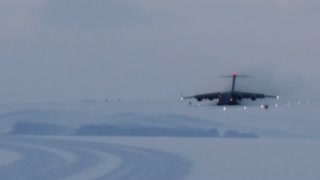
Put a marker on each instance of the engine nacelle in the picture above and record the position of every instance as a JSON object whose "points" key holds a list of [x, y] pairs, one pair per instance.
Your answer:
{"points": [[253, 98], [199, 99]]}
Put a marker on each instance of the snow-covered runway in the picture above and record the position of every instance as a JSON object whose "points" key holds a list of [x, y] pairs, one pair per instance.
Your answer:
{"points": [[148, 140], [45, 158]]}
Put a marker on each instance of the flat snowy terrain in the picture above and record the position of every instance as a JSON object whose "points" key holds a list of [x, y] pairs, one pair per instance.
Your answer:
{"points": [[159, 140]]}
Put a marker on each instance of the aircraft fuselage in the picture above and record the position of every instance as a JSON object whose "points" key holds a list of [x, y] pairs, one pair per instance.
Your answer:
{"points": [[227, 98]]}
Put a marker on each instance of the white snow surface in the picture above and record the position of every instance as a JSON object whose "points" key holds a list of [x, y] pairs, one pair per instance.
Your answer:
{"points": [[145, 140]]}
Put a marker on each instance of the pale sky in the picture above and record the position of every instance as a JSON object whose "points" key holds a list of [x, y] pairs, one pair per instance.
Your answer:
{"points": [[62, 50]]}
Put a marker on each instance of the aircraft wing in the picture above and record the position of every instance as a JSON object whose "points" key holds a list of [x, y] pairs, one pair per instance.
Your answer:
{"points": [[207, 96], [253, 96]]}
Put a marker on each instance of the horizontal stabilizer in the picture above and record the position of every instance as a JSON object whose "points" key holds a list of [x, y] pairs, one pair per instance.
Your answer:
{"points": [[241, 76]]}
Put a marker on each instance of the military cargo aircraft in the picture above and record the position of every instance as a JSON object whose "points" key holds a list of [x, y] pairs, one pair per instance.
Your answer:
{"points": [[232, 97]]}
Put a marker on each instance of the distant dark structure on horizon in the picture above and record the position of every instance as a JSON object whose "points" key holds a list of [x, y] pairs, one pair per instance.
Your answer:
{"points": [[230, 97]]}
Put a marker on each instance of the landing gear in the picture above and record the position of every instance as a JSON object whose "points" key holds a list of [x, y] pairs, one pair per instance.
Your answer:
{"points": [[265, 106]]}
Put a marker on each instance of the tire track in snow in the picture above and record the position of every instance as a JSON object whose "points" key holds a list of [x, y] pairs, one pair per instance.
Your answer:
{"points": [[45, 158]]}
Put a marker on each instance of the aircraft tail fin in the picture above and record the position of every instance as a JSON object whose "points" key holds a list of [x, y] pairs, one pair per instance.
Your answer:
{"points": [[234, 76]]}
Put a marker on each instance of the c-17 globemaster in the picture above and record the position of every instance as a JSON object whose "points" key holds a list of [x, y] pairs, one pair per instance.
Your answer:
{"points": [[230, 97]]}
